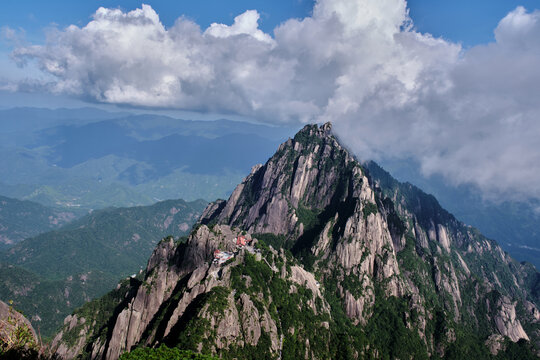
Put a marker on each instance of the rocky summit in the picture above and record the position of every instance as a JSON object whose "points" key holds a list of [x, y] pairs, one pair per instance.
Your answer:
{"points": [[318, 256]]}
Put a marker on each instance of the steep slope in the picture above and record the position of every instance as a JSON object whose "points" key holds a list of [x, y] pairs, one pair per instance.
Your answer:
{"points": [[396, 276], [115, 240], [56, 272], [488, 284], [513, 223], [47, 302], [17, 337], [254, 306], [23, 219]]}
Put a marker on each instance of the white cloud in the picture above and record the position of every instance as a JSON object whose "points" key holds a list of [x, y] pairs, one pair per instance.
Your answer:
{"points": [[244, 24], [471, 115]]}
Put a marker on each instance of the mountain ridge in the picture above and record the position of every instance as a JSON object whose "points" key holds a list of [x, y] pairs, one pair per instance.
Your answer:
{"points": [[20, 219], [50, 275], [398, 275]]}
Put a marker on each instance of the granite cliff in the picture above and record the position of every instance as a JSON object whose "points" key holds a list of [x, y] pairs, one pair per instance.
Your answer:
{"points": [[345, 262], [18, 339]]}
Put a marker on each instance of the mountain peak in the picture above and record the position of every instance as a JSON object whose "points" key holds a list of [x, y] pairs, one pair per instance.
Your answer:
{"points": [[313, 130], [334, 219], [382, 272], [309, 172], [327, 126]]}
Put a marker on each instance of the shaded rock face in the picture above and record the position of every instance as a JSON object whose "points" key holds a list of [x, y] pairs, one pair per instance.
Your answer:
{"points": [[354, 241], [532, 311], [10, 319]]}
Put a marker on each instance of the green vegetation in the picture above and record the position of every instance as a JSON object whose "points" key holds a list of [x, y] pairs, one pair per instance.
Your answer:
{"points": [[118, 241], [303, 137], [276, 241], [98, 312], [269, 293], [54, 273], [354, 285], [218, 299], [289, 310], [36, 296], [419, 324], [23, 219], [307, 217], [259, 273], [387, 331], [424, 206], [421, 264], [393, 323], [164, 353], [387, 335], [419, 271], [368, 209], [16, 338], [521, 350], [95, 164]]}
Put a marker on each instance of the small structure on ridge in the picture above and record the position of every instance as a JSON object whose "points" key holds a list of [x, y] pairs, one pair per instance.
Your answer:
{"points": [[221, 257]]}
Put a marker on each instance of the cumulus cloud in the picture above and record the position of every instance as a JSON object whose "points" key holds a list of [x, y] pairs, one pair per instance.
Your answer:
{"points": [[471, 115], [246, 23]]}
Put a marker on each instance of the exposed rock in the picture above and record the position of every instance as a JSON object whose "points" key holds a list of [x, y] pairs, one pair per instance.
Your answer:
{"points": [[228, 330], [68, 352], [10, 319], [250, 320], [356, 308], [506, 321], [132, 321], [532, 310], [495, 343], [302, 277], [367, 237]]}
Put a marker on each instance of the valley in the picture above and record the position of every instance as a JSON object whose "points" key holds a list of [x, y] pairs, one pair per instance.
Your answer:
{"points": [[50, 275]]}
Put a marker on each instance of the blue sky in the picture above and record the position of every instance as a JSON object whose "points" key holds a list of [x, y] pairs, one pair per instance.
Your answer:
{"points": [[465, 21], [35, 15]]}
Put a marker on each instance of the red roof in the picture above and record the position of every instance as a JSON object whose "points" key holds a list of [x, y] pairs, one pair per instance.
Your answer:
{"points": [[241, 240]]}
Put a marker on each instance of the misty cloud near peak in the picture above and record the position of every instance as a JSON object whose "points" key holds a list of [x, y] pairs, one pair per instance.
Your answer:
{"points": [[471, 115]]}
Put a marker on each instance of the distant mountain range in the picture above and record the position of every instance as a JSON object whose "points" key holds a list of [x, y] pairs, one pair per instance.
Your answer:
{"points": [[74, 160], [23, 219], [49, 275], [89, 158]]}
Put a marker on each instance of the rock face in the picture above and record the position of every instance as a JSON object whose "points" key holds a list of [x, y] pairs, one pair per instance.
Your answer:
{"points": [[187, 297], [507, 322], [10, 319], [342, 250], [17, 337]]}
